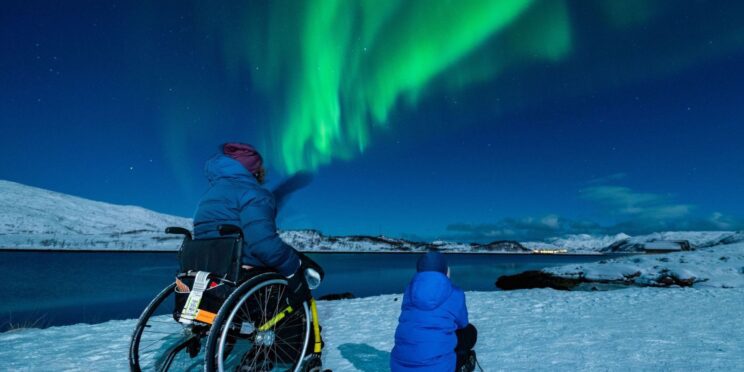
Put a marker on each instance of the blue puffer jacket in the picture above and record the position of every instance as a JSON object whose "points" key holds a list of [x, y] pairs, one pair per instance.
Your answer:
{"points": [[432, 310], [235, 197]]}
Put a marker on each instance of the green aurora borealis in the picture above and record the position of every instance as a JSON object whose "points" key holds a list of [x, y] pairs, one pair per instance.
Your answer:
{"points": [[435, 119], [335, 70]]}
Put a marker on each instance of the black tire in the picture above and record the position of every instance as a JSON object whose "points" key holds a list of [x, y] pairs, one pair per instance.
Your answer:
{"points": [[233, 338], [154, 333]]}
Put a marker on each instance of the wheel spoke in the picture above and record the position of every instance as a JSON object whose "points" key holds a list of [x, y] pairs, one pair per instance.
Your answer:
{"points": [[289, 357], [278, 348]]}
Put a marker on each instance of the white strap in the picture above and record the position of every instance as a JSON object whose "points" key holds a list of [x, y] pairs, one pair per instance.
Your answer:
{"points": [[192, 303]]}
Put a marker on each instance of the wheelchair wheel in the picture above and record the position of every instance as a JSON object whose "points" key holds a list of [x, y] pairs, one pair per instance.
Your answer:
{"points": [[237, 340], [160, 343]]}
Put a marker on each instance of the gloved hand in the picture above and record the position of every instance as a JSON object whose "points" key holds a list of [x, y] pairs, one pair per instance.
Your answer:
{"points": [[297, 289]]}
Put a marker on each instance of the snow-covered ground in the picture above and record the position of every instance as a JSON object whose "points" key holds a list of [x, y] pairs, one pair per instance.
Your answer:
{"points": [[717, 266], [636, 329], [698, 328]]}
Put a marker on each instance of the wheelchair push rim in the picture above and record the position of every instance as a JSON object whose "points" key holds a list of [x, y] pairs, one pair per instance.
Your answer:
{"points": [[245, 345], [159, 342]]}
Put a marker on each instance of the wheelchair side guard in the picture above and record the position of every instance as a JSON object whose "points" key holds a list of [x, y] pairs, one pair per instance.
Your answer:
{"points": [[316, 327]]}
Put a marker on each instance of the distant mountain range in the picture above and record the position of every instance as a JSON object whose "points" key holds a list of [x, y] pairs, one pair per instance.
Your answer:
{"points": [[34, 218]]}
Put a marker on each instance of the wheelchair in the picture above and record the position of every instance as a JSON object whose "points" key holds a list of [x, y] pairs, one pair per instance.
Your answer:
{"points": [[218, 316]]}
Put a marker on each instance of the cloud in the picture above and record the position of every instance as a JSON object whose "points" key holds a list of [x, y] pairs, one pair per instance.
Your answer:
{"points": [[623, 202], [527, 228], [722, 222], [635, 213], [549, 226]]}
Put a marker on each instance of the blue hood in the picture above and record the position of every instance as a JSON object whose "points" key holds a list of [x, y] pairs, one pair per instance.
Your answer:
{"points": [[429, 289], [221, 166]]}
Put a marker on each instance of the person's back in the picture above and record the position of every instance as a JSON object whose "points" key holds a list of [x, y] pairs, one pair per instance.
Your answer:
{"points": [[432, 312], [236, 197]]}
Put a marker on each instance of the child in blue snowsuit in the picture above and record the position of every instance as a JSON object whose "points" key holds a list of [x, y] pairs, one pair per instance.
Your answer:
{"points": [[433, 331]]}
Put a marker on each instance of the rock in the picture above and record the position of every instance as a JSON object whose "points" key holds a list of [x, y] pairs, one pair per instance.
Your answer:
{"points": [[668, 280], [535, 279], [665, 280], [685, 282], [630, 278], [337, 296]]}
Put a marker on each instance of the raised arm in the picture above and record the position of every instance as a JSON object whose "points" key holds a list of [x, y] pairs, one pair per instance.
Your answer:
{"points": [[257, 219]]}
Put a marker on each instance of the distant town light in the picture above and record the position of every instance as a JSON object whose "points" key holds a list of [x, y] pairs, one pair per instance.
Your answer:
{"points": [[550, 251]]}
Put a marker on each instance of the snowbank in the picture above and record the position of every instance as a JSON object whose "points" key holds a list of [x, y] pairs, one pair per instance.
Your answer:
{"points": [[630, 329], [718, 266]]}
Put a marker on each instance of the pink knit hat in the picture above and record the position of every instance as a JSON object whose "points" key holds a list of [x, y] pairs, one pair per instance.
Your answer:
{"points": [[245, 154]]}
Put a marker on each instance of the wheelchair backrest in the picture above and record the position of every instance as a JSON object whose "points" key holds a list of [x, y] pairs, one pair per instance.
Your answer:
{"points": [[220, 256]]}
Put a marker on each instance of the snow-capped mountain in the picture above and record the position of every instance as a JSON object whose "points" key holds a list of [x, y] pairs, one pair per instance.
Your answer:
{"points": [[623, 243], [696, 239], [35, 218], [312, 240], [31, 217]]}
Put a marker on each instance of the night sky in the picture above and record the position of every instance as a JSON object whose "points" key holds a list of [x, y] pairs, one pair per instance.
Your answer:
{"points": [[472, 120]]}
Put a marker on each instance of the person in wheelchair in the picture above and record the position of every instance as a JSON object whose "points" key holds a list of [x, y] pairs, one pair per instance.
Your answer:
{"points": [[241, 300], [236, 196]]}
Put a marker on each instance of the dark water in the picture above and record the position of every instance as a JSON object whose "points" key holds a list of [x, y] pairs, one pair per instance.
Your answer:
{"points": [[55, 288]]}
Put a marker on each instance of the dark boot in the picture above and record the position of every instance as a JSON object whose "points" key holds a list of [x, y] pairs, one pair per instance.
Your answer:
{"points": [[467, 363]]}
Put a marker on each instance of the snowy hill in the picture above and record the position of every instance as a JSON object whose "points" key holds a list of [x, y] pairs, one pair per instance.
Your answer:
{"points": [[35, 218], [31, 217]]}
